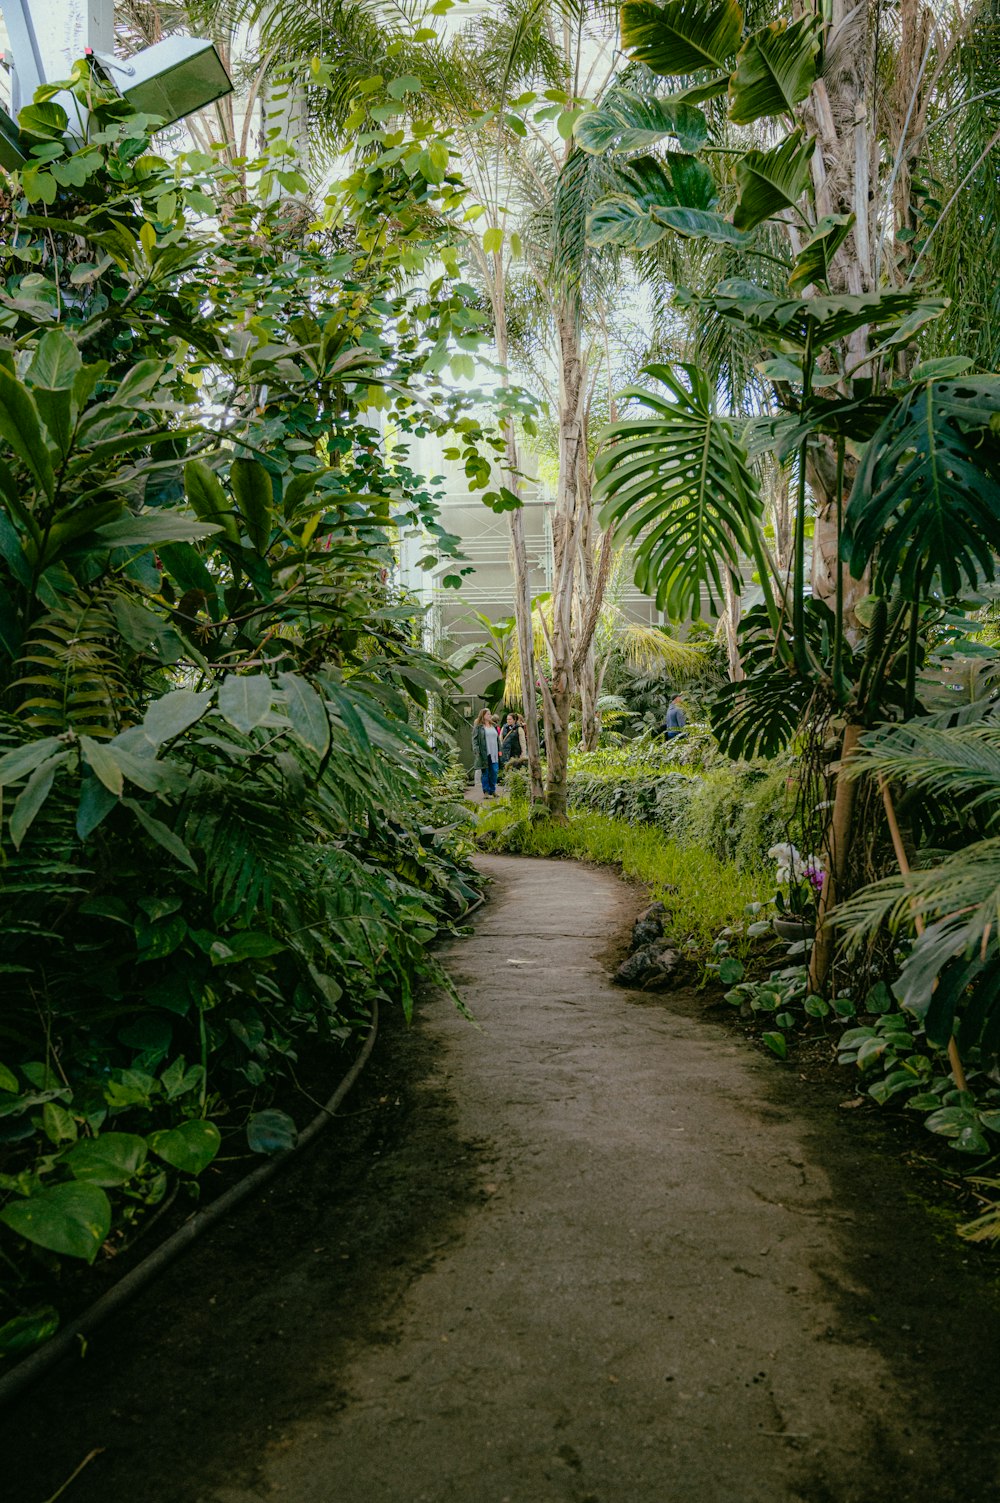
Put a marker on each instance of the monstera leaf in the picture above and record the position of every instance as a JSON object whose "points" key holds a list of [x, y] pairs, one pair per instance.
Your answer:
{"points": [[772, 180], [677, 482], [759, 715], [628, 121], [787, 323], [682, 36], [925, 506], [775, 70]]}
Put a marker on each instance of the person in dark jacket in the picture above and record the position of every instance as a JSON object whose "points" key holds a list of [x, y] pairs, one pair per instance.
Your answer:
{"points": [[486, 750]]}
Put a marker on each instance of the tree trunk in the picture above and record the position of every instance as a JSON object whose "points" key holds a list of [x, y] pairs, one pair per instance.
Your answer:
{"points": [[565, 529], [730, 626], [836, 847], [518, 555]]}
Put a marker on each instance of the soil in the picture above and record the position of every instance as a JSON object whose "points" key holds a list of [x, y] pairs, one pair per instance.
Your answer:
{"points": [[592, 1249]]}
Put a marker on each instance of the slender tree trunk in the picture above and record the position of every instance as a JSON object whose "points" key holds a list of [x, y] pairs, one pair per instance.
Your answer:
{"points": [[836, 850], [519, 556], [730, 626], [565, 524]]}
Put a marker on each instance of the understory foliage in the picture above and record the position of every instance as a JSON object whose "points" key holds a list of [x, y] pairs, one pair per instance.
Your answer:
{"points": [[224, 837]]}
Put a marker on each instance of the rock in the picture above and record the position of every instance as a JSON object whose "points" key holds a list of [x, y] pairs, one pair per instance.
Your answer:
{"points": [[648, 927], [649, 966]]}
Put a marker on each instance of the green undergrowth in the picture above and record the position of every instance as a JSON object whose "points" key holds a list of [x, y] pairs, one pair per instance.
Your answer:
{"points": [[711, 894]]}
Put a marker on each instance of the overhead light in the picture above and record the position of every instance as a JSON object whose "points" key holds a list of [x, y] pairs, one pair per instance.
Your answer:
{"points": [[171, 79]]}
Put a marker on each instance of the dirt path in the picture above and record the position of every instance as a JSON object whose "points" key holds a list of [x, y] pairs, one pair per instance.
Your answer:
{"points": [[609, 1256]]}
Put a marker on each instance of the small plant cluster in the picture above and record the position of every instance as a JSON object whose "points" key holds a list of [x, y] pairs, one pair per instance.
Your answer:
{"points": [[892, 1053], [799, 881]]}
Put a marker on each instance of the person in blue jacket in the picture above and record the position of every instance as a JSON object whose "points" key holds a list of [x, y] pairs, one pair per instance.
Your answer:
{"points": [[676, 720]]}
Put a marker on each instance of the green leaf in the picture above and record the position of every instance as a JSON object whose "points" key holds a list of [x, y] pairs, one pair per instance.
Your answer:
{"points": [[255, 497], [56, 361], [813, 262], [731, 969], [925, 505], [627, 120], [153, 528], [788, 321], [682, 36], [20, 427], [26, 1332], [16, 764], [191, 1147], [32, 797], [271, 1131], [408, 84], [245, 699], [71, 1219], [8, 1081], [678, 482], [111, 1159], [161, 833], [777, 1043], [58, 1124], [203, 489], [492, 239], [170, 715], [775, 70], [306, 711], [770, 181], [101, 760], [942, 368]]}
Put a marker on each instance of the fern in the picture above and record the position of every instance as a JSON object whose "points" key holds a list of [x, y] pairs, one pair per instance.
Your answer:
{"points": [[74, 676]]}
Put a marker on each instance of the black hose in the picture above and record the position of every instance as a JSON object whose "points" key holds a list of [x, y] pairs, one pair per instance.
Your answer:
{"points": [[19, 1378]]}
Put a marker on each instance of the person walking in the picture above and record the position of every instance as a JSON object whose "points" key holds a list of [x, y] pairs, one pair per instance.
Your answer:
{"points": [[509, 742], [486, 750], [676, 719]]}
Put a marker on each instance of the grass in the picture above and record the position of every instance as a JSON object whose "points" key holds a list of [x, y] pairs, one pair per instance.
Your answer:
{"points": [[711, 893]]}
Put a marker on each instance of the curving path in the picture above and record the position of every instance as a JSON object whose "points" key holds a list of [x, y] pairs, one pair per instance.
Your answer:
{"points": [[635, 1266]]}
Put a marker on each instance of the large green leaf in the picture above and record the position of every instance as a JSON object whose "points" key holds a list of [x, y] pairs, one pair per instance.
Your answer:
{"points": [[161, 833], [925, 505], [31, 798], [657, 194], [16, 764], [191, 1147], [203, 489], [113, 1158], [306, 711], [772, 180], [21, 428], [759, 715], [682, 36], [678, 483], [152, 529], [786, 323], [775, 70], [172, 713], [245, 699], [71, 1219], [55, 362], [627, 121], [255, 497]]}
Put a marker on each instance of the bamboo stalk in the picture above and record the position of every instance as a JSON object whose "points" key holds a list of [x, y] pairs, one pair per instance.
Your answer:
{"points": [[954, 1058]]}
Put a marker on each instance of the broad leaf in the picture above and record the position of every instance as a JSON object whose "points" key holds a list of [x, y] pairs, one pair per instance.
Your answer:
{"points": [[255, 497], [271, 1131], [759, 715], [32, 797], [785, 322], [16, 764], [71, 1219], [700, 224], [191, 1147], [813, 262], [203, 489], [162, 834], [152, 528], [21, 428], [56, 361], [678, 483], [306, 711], [775, 70], [627, 121], [101, 760], [652, 191], [168, 716], [111, 1159], [682, 36], [772, 180], [925, 506], [245, 699]]}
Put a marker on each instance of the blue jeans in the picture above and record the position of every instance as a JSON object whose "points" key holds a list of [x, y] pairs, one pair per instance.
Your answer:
{"points": [[489, 777]]}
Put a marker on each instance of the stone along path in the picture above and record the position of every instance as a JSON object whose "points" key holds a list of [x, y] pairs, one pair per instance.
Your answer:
{"points": [[655, 1303]]}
